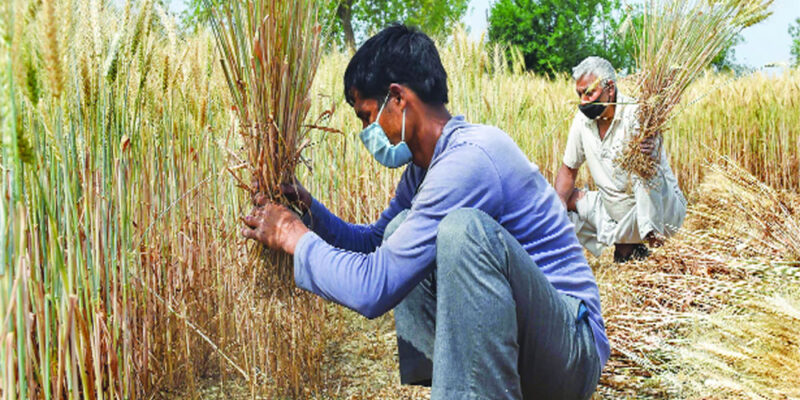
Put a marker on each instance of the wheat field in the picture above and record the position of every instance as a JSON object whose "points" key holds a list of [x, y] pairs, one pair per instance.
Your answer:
{"points": [[124, 275]]}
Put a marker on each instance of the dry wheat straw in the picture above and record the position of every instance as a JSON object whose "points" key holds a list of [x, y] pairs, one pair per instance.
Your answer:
{"points": [[135, 160]]}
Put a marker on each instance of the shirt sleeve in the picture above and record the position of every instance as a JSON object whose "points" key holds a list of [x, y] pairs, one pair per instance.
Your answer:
{"points": [[356, 237], [374, 283], [573, 153]]}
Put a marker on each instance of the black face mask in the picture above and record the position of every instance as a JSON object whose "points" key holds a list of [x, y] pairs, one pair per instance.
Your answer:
{"points": [[592, 110]]}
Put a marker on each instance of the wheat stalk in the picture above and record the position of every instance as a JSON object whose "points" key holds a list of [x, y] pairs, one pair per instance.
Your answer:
{"points": [[678, 40], [270, 53]]}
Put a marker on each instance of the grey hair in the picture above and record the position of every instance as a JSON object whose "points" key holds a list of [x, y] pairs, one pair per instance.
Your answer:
{"points": [[597, 66]]}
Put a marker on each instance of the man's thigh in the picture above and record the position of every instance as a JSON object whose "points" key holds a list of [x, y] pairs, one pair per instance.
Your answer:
{"points": [[557, 355]]}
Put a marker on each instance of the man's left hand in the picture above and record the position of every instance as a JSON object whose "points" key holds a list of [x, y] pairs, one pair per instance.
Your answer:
{"points": [[274, 226], [649, 146]]}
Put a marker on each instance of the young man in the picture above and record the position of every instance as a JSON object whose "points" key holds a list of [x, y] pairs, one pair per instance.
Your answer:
{"points": [[493, 297], [624, 211]]}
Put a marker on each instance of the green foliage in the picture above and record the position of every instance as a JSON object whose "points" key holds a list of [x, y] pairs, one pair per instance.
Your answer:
{"points": [[794, 32], [198, 12], [726, 59], [369, 16], [555, 35], [352, 21]]}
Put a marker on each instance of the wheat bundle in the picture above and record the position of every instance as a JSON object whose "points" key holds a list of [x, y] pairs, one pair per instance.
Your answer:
{"points": [[677, 42], [270, 53]]}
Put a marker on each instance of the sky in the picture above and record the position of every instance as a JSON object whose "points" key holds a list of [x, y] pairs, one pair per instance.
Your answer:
{"points": [[764, 43]]}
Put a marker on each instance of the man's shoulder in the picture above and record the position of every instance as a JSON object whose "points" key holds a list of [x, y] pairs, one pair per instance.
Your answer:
{"points": [[629, 113], [626, 99], [485, 137], [629, 105], [478, 146]]}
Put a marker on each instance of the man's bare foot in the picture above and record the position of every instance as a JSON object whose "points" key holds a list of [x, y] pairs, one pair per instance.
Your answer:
{"points": [[654, 240], [624, 252]]}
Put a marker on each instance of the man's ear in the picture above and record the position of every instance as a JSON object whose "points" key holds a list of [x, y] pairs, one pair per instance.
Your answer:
{"points": [[399, 94]]}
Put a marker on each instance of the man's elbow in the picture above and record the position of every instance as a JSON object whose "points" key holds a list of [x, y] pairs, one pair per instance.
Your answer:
{"points": [[374, 312], [371, 308]]}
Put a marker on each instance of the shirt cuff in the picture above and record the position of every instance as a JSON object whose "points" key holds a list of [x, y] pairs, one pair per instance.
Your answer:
{"points": [[572, 164], [646, 228], [302, 251]]}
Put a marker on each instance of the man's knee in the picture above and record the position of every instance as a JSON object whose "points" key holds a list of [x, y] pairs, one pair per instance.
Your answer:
{"points": [[461, 233], [394, 224], [458, 224]]}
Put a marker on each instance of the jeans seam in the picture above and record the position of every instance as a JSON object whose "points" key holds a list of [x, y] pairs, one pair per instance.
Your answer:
{"points": [[590, 385]]}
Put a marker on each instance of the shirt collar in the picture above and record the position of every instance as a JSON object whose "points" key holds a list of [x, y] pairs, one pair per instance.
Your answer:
{"points": [[444, 140]]}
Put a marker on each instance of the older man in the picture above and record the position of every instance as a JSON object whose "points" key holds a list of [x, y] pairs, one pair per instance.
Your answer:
{"points": [[625, 211]]}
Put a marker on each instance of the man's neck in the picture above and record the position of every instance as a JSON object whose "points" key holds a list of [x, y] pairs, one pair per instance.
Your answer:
{"points": [[606, 118], [429, 130]]}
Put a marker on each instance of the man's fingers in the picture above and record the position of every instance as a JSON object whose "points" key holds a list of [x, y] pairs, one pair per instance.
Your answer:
{"points": [[250, 220], [249, 233], [287, 189], [260, 199]]}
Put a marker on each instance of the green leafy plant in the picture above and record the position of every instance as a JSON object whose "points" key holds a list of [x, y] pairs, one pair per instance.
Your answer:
{"points": [[555, 35]]}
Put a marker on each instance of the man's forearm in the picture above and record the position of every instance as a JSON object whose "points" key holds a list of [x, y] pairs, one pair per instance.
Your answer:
{"points": [[565, 183]]}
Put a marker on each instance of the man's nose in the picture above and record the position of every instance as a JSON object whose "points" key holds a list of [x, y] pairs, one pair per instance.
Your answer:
{"points": [[588, 98]]}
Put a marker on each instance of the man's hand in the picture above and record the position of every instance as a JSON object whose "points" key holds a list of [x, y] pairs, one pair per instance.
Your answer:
{"points": [[572, 202], [654, 240], [274, 226], [296, 194], [650, 145]]}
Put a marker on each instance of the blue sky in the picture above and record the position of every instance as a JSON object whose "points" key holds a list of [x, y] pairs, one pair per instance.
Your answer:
{"points": [[766, 42]]}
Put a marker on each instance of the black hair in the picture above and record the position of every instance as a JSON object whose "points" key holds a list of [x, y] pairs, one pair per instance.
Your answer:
{"points": [[397, 54]]}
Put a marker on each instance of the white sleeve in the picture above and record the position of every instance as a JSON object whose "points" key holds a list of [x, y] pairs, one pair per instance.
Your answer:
{"points": [[573, 153]]}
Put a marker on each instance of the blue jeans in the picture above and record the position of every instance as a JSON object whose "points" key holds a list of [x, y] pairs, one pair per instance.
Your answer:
{"points": [[486, 324]]}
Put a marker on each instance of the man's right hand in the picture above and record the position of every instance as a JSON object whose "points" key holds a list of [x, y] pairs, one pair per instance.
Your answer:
{"points": [[572, 202]]}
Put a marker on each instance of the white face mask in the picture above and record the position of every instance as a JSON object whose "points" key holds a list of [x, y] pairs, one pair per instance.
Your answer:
{"points": [[377, 143]]}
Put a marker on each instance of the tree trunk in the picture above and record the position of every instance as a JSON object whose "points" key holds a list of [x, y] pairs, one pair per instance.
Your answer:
{"points": [[345, 14]]}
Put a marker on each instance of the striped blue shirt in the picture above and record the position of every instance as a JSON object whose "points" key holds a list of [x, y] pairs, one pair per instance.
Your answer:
{"points": [[473, 166]]}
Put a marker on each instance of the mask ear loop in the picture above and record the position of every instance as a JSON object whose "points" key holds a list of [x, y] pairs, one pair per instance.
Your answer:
{"points": [[403, 132], [381, 109]]}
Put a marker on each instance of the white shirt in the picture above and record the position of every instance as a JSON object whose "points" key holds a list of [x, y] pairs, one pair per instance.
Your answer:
{"points": [[584, 145]]}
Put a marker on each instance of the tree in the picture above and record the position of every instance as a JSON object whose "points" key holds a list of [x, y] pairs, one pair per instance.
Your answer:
{"points": [[356, 19], [794, 32], [352, 20], [555, 35], [726, 59], [198, 12]]}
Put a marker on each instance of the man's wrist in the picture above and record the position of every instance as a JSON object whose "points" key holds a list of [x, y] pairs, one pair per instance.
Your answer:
{"points": [[296, 231]]}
